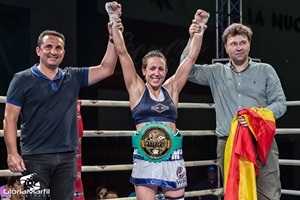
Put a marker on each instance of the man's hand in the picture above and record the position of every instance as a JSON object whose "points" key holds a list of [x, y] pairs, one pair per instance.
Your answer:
{"points": [[242, 121], [118, 24], [196, 28], [15, 163]]}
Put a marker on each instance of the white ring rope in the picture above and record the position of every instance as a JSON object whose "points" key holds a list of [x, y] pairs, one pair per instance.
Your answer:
{"points": [[126, 133], [109, 103], [125, 167]]}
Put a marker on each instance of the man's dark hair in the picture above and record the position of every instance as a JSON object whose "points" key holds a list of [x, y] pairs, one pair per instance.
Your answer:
{"points": [[49, 32]]}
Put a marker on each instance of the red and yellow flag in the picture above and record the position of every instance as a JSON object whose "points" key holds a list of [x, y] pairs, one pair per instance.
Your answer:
{"points": [[240, 165]]}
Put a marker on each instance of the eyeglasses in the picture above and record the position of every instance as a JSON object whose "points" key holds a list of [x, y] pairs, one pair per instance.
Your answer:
{"points": [[235, 44]]}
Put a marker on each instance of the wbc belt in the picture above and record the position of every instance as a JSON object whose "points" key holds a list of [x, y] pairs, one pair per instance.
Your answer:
{"points": [[156, 142]]}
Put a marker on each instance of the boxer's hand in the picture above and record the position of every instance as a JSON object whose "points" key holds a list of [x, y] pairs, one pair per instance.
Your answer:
{"points": [[201, 17], [114, 10]]}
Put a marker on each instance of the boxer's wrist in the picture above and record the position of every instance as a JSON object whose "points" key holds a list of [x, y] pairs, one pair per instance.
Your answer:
{"points": [[113, 17], [111, 39]]}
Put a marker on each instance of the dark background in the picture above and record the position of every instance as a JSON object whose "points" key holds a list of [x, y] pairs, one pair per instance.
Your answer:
{"points": [[150, 24]]}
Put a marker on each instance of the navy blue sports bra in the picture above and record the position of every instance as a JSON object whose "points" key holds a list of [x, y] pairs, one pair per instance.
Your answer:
{"points": [[149, 110]]}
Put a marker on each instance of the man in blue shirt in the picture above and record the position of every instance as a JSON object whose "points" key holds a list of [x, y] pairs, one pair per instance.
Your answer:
{"points": [[46, 98]]}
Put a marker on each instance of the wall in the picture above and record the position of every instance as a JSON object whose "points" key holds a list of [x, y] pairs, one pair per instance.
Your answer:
{"points": [[18, 46]]}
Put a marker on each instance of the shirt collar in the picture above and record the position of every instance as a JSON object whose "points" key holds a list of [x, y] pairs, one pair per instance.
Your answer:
{"points": [[249, 64], [38, 73]]}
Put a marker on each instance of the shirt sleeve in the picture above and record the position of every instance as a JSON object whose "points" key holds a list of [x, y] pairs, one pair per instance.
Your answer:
{"points": [[15, 93], [275, 94], [82, 74]]}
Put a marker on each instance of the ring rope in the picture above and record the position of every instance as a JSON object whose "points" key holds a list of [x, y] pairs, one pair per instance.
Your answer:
{"points": [[124, 167], [127, 133], [109, 103]]}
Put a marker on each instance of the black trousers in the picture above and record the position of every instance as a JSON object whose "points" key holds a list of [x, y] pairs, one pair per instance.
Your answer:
{"points": [[50, 175]]}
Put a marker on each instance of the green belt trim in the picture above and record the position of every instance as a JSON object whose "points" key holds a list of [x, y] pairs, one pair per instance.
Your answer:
{"points": [[176, 141]]}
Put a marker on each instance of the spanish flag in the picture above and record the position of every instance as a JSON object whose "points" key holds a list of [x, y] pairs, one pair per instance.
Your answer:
{"points": [[240, 165]]}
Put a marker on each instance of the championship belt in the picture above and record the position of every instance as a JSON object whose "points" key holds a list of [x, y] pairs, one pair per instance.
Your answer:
{"points": [[156, 142]]}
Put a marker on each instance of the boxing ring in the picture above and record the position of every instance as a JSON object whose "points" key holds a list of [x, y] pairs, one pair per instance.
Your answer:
{"points": [[185, 133]]}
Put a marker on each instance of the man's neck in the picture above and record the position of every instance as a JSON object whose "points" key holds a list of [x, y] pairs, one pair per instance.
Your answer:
{"points": [[47, 71], [240, 66]]}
